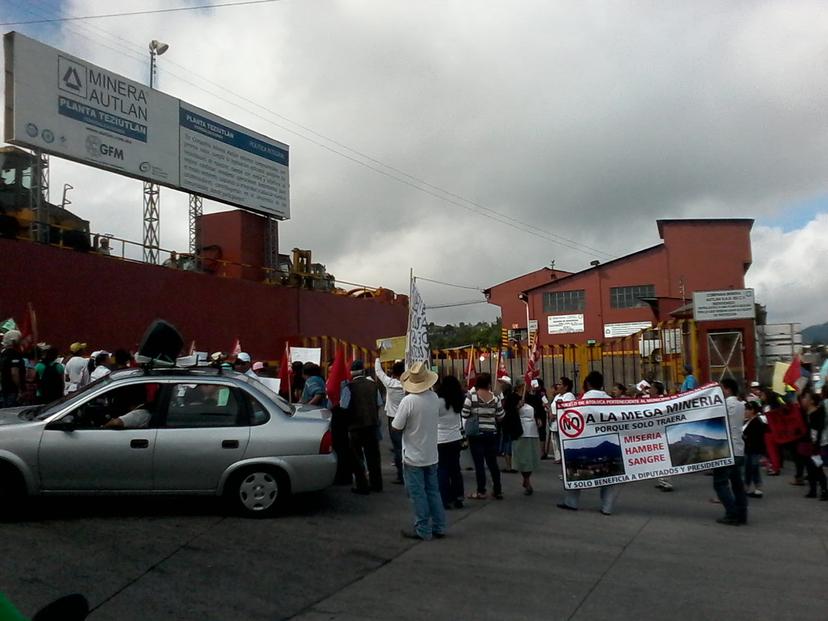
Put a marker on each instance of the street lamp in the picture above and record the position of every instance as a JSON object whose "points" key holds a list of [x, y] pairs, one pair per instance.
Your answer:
{"points": [[152, 193], [156, 48]]}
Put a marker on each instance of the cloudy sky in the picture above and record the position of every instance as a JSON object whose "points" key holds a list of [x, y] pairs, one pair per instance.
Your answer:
{"points": [[435, 134]]}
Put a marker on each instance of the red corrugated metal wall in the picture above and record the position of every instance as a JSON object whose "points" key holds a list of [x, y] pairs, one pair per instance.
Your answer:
{"points": [[108, 303]]}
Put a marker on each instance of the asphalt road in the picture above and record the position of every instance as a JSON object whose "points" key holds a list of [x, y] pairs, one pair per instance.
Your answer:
{"points": [[335, 555]]}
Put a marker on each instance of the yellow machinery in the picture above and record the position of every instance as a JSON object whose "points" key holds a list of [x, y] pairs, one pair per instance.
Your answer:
{"points": [[17, 176]]}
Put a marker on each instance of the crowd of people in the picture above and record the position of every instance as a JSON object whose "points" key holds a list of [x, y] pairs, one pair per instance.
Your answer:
{"points": [[510, 427], [507, 427], [41, 374]]}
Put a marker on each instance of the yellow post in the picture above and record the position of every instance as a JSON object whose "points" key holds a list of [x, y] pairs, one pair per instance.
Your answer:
{"points": [[694, 348]]}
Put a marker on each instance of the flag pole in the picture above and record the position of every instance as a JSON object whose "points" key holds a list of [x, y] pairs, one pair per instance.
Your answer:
{"points": [[408, 327]]}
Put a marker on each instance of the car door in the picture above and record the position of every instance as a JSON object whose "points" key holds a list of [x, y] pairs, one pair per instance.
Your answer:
{"points": [[87, 456], [205, 429]]}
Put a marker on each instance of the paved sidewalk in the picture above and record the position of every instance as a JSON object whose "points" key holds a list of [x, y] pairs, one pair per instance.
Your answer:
{"points": [[339, 556], [661, 556]]}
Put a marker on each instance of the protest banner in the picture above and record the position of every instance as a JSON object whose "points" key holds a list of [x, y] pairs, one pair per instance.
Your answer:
{"points": [[608, 441]]}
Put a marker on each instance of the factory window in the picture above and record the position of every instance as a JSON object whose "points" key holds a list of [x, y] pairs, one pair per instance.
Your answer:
{"points": [[630, 297], [563, 301]]}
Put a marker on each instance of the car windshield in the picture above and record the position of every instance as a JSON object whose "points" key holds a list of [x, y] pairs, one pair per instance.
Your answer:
{"points": [[45, 411], [286, 407]]}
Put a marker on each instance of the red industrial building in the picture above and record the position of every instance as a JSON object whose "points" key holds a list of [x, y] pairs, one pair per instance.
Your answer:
{"points": [[643, 289]]}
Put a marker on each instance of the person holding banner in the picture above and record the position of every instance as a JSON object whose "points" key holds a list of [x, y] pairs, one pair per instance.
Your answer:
{"points": [[563, 392], [593, 389], [727, 480]]}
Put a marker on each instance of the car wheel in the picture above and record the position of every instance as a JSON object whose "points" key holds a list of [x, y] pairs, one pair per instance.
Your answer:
{"points": [[12, 492], [258, 491]]}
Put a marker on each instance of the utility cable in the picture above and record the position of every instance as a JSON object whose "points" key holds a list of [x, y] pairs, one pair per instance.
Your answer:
{"points": [[447, 284], [73, 18]]}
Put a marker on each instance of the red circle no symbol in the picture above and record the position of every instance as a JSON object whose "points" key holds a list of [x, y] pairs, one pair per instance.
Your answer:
{"points": [[571, 423]]}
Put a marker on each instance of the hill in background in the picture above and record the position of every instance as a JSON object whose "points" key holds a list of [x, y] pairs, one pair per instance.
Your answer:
{"points": [[815, 334]]}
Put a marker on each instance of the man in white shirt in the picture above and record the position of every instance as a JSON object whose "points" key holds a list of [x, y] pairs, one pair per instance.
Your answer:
{"points": [[102, 369], [393, 396], [416, 418], [563, 392], [727, 480], [76, 368], [593, 389], [243, 364]]}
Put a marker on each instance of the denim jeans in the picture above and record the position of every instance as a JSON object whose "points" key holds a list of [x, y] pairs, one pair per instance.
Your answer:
{"points": [[483, 448], [729, 487], [752, 474], [609, 493], [396, 444], [448, 472], [424, 492]]}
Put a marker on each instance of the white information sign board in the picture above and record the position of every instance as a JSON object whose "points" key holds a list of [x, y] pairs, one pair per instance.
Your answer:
{"points": [[723, 305], [565, 324], [63, 105], [229, 163], [613, 330]]}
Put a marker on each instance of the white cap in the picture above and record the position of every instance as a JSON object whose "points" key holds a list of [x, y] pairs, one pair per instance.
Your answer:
{"points": [[243, 357], [505, 379], [755, 384]]}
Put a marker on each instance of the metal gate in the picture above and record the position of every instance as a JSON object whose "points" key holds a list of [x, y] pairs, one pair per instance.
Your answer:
{"points": [[726, 356]]}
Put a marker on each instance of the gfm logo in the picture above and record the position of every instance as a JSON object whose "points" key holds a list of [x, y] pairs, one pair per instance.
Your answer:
{"points": [[98, 149]]}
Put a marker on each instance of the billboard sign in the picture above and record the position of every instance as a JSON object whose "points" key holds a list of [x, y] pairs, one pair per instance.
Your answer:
{"points": [[565, 324], [65, 106], [723, 305]]}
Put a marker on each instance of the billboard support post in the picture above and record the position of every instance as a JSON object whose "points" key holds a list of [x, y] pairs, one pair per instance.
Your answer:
{"points": [[38, 197], [196, 211], [272, 245]]}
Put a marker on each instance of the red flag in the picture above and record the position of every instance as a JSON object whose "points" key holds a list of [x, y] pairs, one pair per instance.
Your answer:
{"points": [[471, 374], [532, 368], [339, 373], [285, 375], [793, 373], [501, 366], [28, 329], [236, 349]]}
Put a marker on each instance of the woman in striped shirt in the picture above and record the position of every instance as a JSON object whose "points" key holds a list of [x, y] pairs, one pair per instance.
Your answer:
{"points": [[481, 412]]}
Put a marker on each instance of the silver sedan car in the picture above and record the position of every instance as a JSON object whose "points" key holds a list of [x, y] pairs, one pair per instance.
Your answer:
{"points": [[171, 431]]}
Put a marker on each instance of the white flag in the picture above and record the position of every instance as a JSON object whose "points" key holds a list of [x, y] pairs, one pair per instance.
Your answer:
{"points": [[417, 349]]}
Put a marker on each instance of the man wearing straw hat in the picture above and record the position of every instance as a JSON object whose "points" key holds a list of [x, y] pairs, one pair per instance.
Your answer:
{"points": [[416, 418]]}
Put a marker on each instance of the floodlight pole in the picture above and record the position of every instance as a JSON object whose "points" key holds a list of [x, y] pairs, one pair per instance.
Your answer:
{"points": [[152, 192]]}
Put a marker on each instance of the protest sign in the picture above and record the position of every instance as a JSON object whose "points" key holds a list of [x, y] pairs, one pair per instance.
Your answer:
{"points": [[306, 354], [608, 441], [392, 348]]}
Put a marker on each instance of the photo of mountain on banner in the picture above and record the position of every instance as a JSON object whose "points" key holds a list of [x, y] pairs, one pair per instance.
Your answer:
{"points": [[594, 458], [608, 441], [698, 442]]}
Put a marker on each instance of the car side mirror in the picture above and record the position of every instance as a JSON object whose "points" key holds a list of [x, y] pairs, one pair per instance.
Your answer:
{"points": [[67, 423]]}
